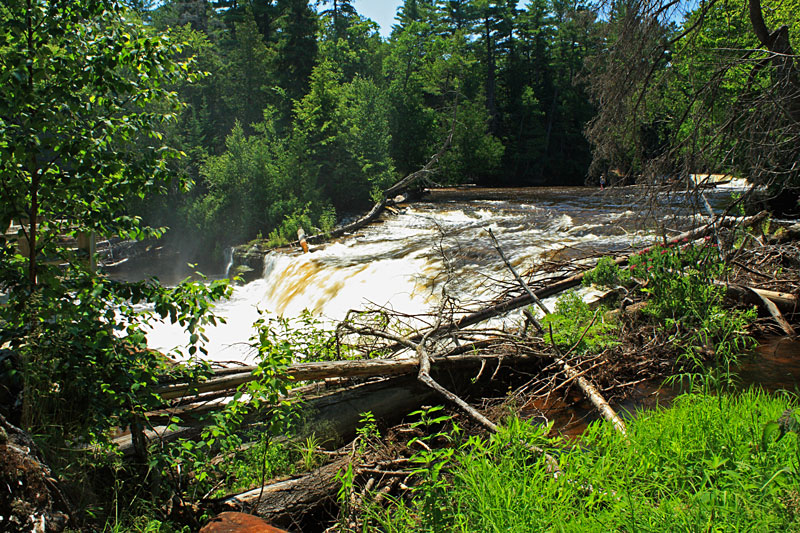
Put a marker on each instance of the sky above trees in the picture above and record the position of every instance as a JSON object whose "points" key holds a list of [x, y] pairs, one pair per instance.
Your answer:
{"points": [[381, 11]]}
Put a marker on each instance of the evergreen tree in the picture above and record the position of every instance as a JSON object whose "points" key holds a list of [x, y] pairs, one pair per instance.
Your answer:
{"points": [[296, 47], [350, 41], [248, 75], [341, 14]]}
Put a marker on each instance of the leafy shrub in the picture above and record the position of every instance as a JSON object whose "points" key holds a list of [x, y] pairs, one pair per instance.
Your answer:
{"points": [[287, 230], [85, 365], [606, 274], [222, 432], [684, 296], [327, 220], [575, 326]]}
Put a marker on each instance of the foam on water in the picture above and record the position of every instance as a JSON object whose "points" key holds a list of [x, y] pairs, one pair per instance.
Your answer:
{"points": [[402, 262]]}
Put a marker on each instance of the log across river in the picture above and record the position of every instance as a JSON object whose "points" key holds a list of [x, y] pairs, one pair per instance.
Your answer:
{"points": [[402, 260]]}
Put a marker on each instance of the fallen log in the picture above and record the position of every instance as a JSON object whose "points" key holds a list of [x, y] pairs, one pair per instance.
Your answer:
{"points": [[594, 396], [361, 368], [290, 502], [786, 302], [776, 314], [333, 417]]}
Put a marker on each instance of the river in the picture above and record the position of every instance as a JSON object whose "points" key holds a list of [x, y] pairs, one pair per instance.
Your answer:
{"points": [[403, 260]]}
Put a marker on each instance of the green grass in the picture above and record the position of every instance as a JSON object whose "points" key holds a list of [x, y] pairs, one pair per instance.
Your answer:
{"points": [[702, 465]]}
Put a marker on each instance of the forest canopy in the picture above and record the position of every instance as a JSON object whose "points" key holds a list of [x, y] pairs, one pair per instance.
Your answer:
{"points": [[296, 113]]}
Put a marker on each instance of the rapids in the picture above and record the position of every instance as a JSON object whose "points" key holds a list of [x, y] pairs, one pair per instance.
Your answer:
{"points": [[403, 260]]}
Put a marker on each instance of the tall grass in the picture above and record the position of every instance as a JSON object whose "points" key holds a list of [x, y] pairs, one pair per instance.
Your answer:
{"points": [[705, 464]]}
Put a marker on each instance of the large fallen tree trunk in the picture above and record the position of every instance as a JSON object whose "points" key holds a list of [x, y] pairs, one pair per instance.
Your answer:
{"points": [[290, 502], [332, 418], [334, 369]]}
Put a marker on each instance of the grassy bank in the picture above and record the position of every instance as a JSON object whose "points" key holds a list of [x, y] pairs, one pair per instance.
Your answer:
{"points": [[708, 463]]}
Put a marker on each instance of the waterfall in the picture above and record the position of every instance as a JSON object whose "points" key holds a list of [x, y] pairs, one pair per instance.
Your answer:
{"points": [[228, 255], [404, 262]]}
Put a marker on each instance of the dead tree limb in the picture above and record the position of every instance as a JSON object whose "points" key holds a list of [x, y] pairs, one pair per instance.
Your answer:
{"points": [[776, 314], [786, 302], [424, 375], [517, 277], [588, 389], [424, 361], [575, 280]]}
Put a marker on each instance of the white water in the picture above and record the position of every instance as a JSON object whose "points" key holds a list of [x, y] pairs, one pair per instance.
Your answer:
{"points": [[402, 262], [228, 260]]}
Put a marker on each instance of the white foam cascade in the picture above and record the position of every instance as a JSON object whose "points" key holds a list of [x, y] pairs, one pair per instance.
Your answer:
{"points": [[228, 254], [402, 262]]}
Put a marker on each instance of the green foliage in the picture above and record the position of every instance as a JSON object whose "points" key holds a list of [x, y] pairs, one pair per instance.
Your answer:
{"points": [[606, 273], [680, 279], [576, 328], [246, 73], [697, 465], [368, 427], [350, 113], [681, 282], [476, 154], [685, 297], [84, 361], [305, 337], [309, 453], [432, 463], [367, 433], [254, 187], [266, 396], [83, 93], [327, 220], [262, 460], [341, 134], [287, 230]]}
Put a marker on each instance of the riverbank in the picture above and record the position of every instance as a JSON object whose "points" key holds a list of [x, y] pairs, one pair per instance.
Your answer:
{"points": [[726, 462]]}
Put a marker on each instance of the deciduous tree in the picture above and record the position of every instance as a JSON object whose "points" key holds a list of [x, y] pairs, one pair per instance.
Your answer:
{"points": [[81, 84]]}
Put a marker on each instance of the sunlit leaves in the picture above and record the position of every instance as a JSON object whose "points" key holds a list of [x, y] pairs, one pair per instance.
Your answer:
{"points": [[78, 82]]}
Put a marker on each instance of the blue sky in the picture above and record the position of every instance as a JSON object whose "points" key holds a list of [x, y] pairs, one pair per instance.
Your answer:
{"points": [[381, 11]]}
